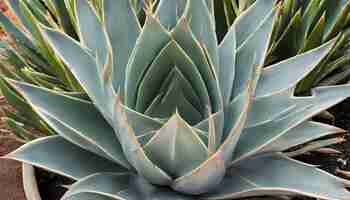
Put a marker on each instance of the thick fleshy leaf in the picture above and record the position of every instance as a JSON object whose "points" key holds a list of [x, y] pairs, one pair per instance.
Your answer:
{"points": [[175, 99], [300, 65], [246, 180], [251, 53], [250, 21], [120, 187], [184, 36], [64, 114], [204, 178], [210, 173], [119, 14], [318, 145], [203, 27], [227, 58], [215, 121], [141, 124], [305, 132], [169, 147], [151, 41], [133, 149], [268, 108], [113, 185], [188, 91], [84, 68], [59, 156], [236, 113], [252, 141], [170, 11], [90, 28], [272, 100], [171, 56]]}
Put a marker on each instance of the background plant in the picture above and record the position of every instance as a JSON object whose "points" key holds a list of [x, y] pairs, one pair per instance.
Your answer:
{"points": [[26, 57], [303, 25]]}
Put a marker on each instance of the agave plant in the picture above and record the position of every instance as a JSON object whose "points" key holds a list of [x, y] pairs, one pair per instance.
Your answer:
{"points": [[173, 115]]}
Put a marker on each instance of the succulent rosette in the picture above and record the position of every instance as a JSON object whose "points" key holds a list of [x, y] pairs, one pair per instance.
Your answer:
{"points": [[175, 115]]}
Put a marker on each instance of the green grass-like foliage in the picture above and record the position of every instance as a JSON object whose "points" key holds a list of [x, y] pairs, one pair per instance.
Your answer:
{"points": [[25, 56], [174, 115], [301, 26]]}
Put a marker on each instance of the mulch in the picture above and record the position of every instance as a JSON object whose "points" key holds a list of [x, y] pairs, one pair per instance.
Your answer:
{"points": [[10, 171]]}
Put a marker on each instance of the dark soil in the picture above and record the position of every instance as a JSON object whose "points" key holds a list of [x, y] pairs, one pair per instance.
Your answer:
{"points": [[51, 186], [342, 120], [10, 173]]}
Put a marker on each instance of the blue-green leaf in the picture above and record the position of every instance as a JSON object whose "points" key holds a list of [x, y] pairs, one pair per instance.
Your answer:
{"points": [[151, 41], [252, 141], [57, 155], [246, 180], [119, 14], [64, 115]]}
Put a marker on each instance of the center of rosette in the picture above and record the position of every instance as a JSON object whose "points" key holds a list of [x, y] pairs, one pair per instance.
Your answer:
{"points": [[172, 83]]}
